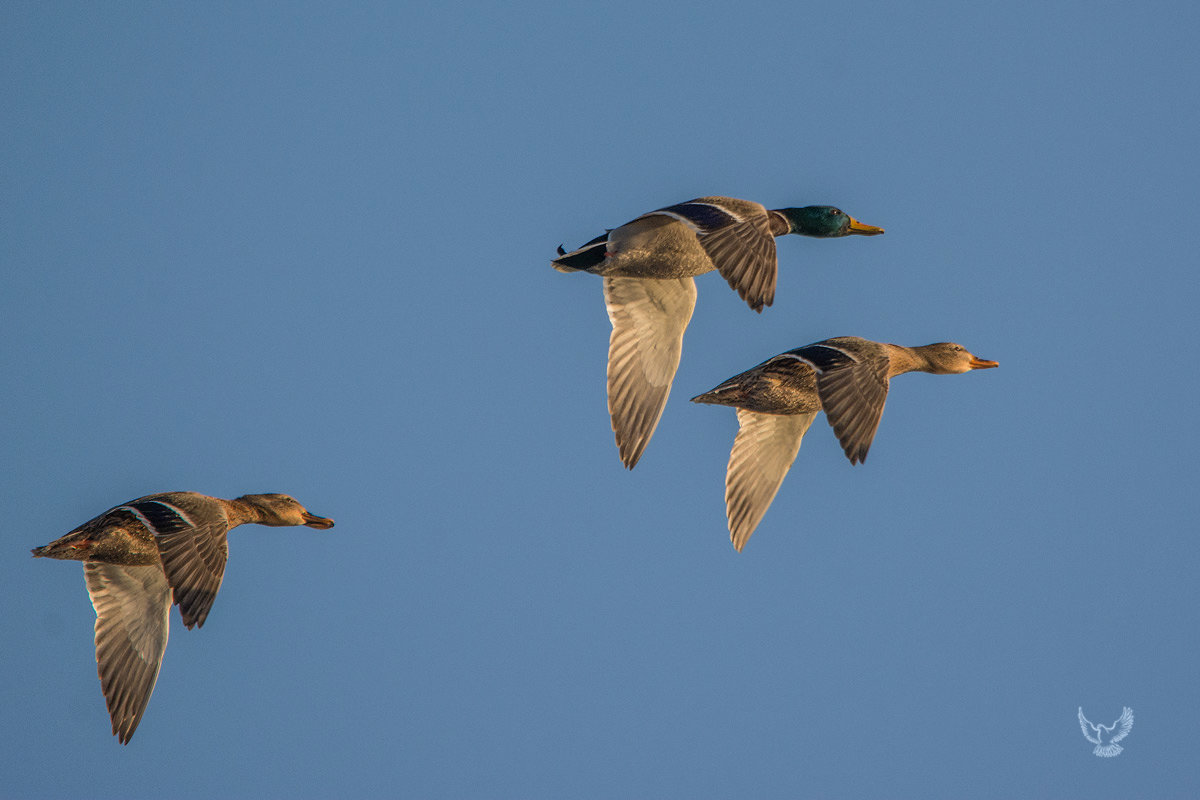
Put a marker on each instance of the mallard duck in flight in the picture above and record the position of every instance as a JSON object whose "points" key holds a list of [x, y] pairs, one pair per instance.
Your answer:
{"points": [[846, 377], [140, 556], [648, 266]]}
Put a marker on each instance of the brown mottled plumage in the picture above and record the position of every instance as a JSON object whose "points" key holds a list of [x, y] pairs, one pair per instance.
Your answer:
{"points": [[139, 555], [846, 377]]}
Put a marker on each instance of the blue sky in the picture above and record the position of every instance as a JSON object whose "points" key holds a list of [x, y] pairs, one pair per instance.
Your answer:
{"points": [[297, 248]]}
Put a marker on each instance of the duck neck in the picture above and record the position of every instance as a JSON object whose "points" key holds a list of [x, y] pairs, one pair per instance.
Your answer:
{"points": [[905, 359], [779, 223], [240, 512]]}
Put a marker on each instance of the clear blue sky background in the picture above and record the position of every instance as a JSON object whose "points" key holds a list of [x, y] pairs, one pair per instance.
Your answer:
{"points": [[257, 248]]}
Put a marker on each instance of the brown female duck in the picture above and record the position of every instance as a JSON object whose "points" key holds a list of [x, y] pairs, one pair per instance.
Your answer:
{"points": [[846, 377], [138, 556]]}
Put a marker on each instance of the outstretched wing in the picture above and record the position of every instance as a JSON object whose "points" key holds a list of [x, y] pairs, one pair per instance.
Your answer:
{"points": [[193, 555], [763, 451], [853, 388], [132, 604], [736, 235], [1123, 725], [648, 318], [1087, 728], [744, 254]]}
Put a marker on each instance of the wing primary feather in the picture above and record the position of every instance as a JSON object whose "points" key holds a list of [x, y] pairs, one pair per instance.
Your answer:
{"points": [[649, 318], [762, 453], [132, 605]]}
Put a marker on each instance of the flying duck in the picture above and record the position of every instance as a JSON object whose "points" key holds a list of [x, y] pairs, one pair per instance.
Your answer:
{"points": [[846, 377], [140, 557]]}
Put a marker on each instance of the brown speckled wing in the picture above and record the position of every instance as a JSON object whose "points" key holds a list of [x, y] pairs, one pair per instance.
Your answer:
{"points": [[853, 388], [193, 549], [744, 254], [763, 451], [132, 605], [648, 318]]}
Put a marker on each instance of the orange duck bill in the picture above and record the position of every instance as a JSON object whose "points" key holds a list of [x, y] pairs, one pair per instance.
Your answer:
{"points": [[863, 229]]}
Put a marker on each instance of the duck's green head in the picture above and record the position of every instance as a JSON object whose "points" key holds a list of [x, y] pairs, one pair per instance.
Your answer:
{"points": [[825, 222]]}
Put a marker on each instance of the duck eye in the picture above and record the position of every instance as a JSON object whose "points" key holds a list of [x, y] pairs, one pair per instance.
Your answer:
{"points": [[835, 212]]}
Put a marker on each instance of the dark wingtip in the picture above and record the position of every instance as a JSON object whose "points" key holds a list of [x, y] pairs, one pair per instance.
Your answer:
{"points": [[630, 457], [561, 252], [124, 732], [757, 305]]}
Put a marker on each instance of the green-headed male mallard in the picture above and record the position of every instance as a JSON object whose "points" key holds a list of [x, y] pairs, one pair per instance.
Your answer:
{"points": [[648, 265], [847, 377], [136, 557]]}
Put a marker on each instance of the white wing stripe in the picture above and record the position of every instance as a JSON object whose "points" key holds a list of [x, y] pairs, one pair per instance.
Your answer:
{"points": [[140, 518], [846, 353], [695, 228], [794, 357], [176, 510], [736, 217]]}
